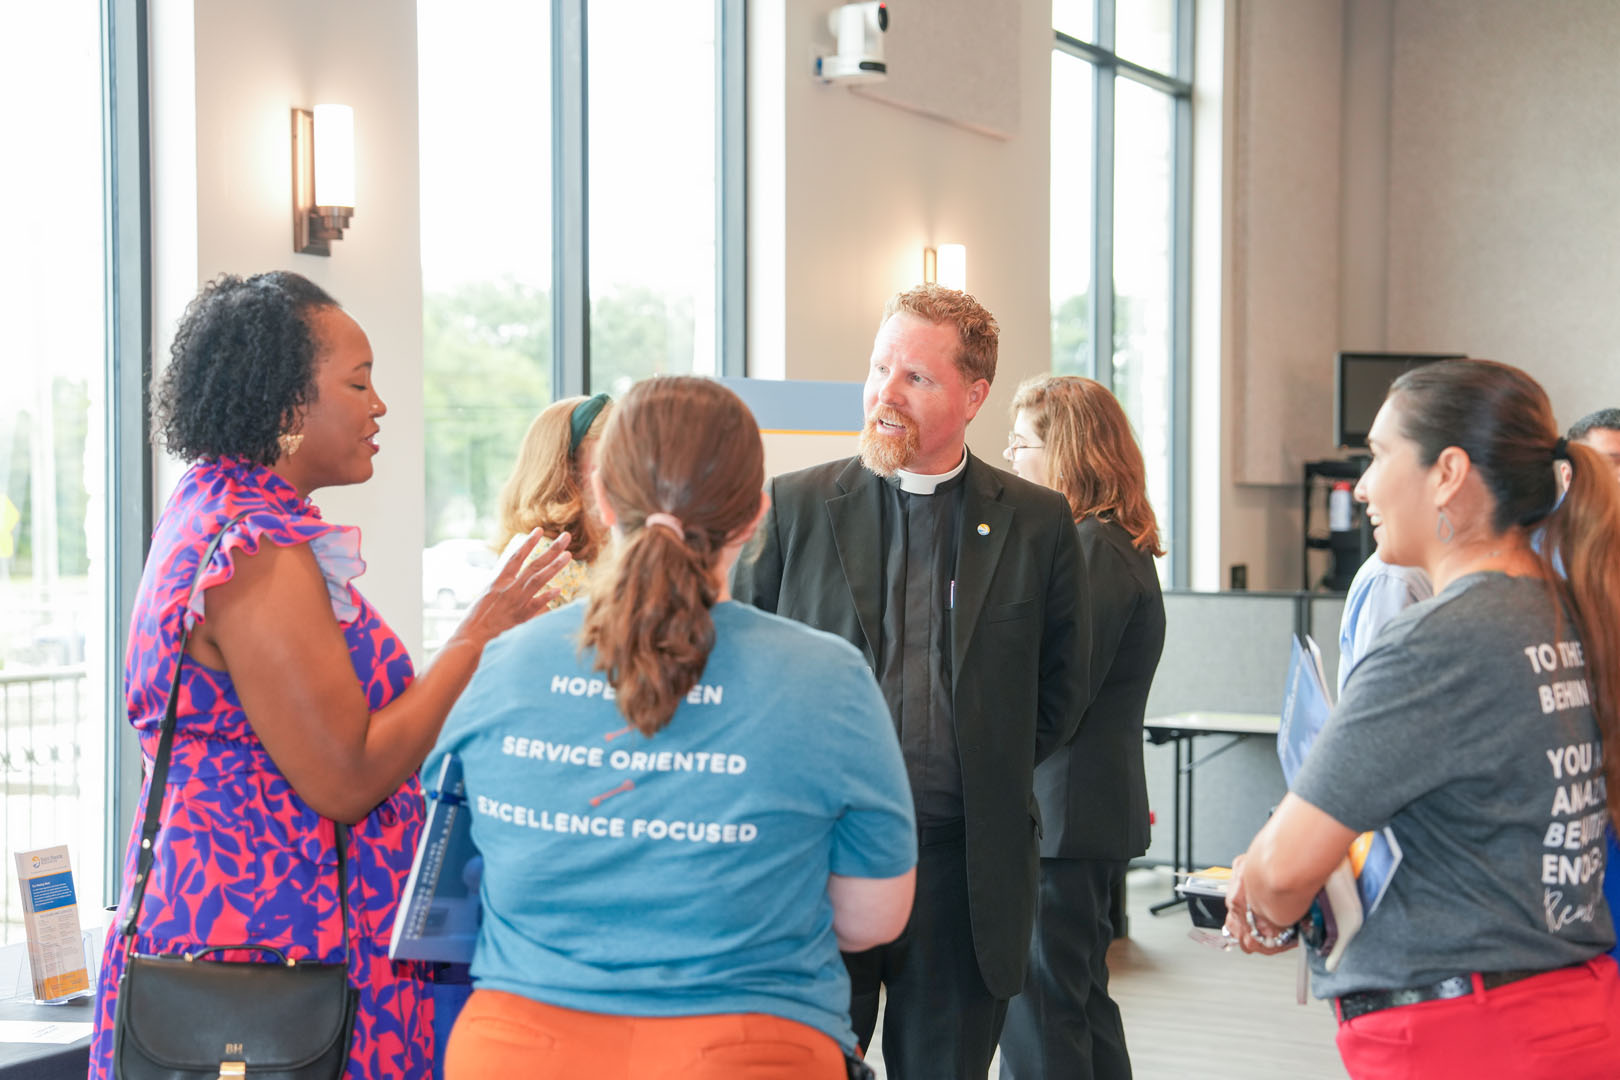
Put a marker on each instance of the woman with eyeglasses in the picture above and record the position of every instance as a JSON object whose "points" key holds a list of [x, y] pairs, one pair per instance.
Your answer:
{"points": [[1071, 435], [1475, 730]]}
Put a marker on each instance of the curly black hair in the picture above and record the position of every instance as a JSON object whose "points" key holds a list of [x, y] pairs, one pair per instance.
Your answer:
{"points": [[242, 362]]}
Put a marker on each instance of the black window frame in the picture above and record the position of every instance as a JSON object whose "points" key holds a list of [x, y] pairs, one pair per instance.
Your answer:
{"points": [[127, 224], [570, 194], [1107, 66]]}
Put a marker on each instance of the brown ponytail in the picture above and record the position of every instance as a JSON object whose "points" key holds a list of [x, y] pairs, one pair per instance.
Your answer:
{"points": [[686, 447], [1584, 532]]}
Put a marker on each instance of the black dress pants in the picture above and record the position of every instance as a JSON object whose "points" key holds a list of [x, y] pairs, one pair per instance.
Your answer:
{"points": [[940, 1023], [1064, 1026]]}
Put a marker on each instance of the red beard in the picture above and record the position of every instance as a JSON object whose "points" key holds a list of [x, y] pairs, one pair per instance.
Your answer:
{"points": [[885, 454]]}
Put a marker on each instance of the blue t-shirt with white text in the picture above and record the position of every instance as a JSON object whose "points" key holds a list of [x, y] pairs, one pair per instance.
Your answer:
{"points": [[686, 873]]}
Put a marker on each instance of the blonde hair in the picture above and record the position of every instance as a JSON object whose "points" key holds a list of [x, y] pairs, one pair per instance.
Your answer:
{"points": [[546, 489], [686, 447], [1091, 456], [975, 326]]}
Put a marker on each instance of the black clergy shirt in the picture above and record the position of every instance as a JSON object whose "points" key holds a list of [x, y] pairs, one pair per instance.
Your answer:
{"points": [[914, 661]]}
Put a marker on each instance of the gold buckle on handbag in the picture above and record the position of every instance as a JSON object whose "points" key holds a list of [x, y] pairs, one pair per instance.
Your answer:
{"points": [[231, 1069]]}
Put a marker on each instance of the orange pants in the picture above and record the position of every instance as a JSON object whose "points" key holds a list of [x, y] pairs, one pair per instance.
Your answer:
{"points": [[501, 1035]]}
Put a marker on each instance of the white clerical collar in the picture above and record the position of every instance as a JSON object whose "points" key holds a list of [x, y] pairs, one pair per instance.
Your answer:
{"points": [[913, 483]]}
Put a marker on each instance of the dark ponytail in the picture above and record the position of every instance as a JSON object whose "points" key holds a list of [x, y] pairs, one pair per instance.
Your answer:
{"points": [[685, 452]]}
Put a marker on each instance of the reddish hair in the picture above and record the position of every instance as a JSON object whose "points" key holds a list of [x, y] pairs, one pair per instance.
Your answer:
{"points": [[975, 327], [685, 446], [1091, 456]]}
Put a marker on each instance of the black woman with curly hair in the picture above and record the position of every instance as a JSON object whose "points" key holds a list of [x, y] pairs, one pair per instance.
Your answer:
{"points": [[297, 705]]}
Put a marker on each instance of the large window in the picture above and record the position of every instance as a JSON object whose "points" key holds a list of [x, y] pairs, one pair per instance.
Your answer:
{"points": [[653, 233], [1121, 131], [485, 137], [62, 429], [579, 231]]}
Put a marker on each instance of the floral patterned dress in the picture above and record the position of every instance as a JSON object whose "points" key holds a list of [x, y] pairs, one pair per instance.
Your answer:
{"points": [[239, 856]]}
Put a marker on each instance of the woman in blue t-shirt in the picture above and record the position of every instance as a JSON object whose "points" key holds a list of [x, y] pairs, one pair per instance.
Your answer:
{"points": [[685, 806]]}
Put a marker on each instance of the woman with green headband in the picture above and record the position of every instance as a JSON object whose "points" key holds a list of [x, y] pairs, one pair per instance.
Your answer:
{"points": [[549, 490]]}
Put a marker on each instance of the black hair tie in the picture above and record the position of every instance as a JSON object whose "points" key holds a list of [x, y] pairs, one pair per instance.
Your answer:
{"points": [[1560, 450]]}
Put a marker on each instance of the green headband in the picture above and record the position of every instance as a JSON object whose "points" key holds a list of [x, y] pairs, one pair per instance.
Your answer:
{"points": [[581, 419]]}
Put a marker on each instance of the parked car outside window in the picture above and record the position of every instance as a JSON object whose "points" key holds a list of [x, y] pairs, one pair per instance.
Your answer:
{"points": [[455, 571]]}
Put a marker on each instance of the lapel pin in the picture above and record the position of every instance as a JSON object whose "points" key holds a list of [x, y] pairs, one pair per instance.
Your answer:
{"points": [[984, 530]]}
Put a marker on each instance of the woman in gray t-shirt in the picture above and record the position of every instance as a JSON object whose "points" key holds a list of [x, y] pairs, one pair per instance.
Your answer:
{"points": [[1474, 730]]}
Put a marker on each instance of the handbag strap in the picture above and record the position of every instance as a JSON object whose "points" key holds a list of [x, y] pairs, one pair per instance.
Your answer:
{"points": [[160, 773]]}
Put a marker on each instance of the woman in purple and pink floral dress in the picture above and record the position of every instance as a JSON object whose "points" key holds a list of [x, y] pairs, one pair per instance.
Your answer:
{"points": [[297, 705]]}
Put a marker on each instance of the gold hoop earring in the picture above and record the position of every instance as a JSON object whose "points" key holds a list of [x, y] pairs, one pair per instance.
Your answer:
{"points": [[290, 443], [1443, 529]]}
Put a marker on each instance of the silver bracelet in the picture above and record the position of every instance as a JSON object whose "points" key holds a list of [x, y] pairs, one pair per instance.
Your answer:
{"points": [[1284, 936]]}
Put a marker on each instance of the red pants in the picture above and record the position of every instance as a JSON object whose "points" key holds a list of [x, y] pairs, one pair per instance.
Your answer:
{"points": [[1563, 1025], [500, 1034]]}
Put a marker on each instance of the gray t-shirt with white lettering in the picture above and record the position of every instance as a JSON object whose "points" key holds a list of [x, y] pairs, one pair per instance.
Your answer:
{"points": [[1468, 730]]}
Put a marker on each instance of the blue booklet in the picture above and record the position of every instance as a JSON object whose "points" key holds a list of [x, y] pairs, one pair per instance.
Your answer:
{"points": [[439, 914], [1305, 708], [1373, 856]]}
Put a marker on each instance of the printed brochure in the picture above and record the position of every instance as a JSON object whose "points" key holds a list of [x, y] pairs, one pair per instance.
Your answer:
{"points": [[439, 914]]}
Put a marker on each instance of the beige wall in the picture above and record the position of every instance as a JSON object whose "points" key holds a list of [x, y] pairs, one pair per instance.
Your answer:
{"points": [[1474, 210], [845, 192], [1504, 208], [226, 76], [1472, 197], [1283, 74]]}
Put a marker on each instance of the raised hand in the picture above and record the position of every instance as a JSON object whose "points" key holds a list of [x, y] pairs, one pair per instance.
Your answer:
{"points": [[518, 592]]}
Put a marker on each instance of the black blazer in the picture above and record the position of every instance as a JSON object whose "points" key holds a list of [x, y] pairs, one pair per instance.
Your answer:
{"points": [[1093, 792], [1019, 652]]}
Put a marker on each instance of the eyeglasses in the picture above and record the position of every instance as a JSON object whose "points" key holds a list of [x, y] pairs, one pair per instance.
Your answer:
{"points": [[1016, 443]]}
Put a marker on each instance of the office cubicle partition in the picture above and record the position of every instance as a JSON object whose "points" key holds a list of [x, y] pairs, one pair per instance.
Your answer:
{"points": [[1228, 652]]}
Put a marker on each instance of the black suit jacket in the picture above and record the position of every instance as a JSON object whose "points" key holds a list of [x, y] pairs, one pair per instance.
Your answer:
{"points": [[1093, 792], [1018, 643]]}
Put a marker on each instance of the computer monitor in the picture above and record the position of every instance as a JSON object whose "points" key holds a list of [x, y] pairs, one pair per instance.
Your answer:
{"points": [[1363, 381]]}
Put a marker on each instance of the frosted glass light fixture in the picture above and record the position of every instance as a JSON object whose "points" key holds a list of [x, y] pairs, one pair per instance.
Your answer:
{"points": [[323, 176], [953, 266], [946, 265]]}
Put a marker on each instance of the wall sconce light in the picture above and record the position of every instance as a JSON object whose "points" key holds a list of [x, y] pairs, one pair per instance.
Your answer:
{"points": [[323, 176], [946, 265]]}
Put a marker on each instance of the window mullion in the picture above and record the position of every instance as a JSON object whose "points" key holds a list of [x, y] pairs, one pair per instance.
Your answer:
{"points": [[126, 152], [1181, 312], [570, 201], [1102, 223], [731, 190]]}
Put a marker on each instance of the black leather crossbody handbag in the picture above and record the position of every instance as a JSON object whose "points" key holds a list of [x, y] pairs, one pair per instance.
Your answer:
{"points": [[184, 1016]]}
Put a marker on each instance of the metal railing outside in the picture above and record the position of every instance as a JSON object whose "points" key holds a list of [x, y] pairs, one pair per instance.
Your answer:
{"points": [[44, 718]]}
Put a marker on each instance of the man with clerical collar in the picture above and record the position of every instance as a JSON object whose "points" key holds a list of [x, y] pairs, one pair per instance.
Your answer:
{"points": [[963, 586]]}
